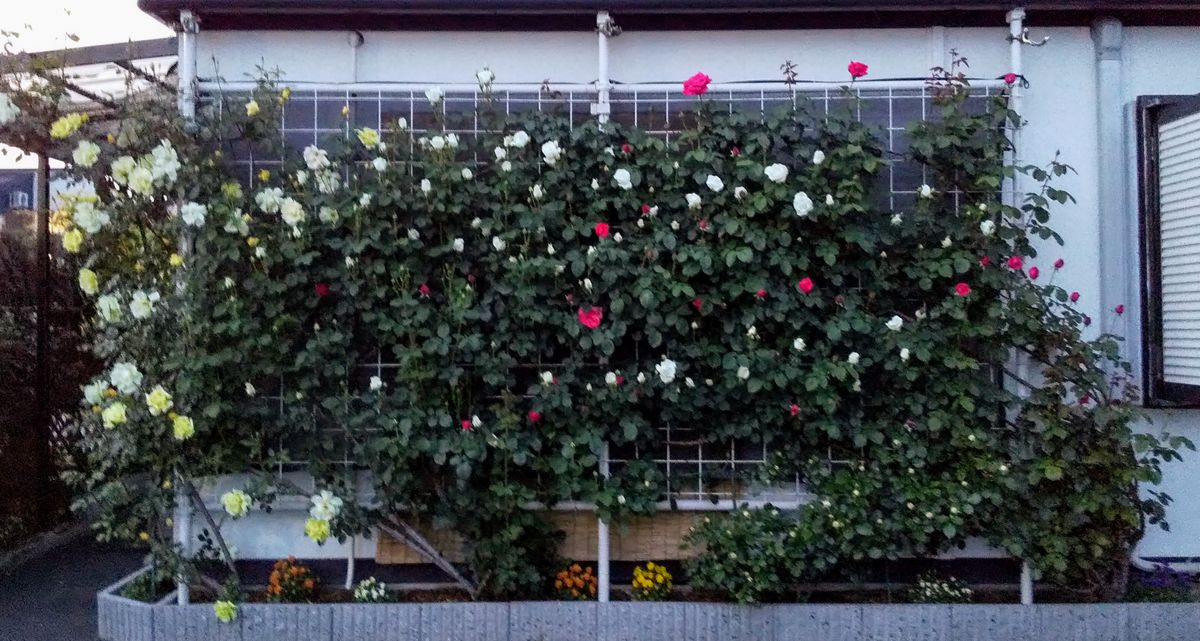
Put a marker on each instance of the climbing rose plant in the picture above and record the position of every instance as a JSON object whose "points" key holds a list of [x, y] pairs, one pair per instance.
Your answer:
{"points": [[546, 289]]}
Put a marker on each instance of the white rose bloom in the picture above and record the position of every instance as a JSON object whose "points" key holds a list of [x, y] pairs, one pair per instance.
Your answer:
{"points": [[818, 157], [125, 377], [93, 392], [376, 384], [86, 153], [301, 177], [141, 181], [740, 192], [402, 124], [618, 237], [550, 250], [121, 168], [537, 192], [458, 245], [799, 345], [895, 323], [380, 163], [551, 152], [8, 110], [693, 201], [364, 200], [587, 284], [316, 158], [452, 140], [434, 95], [743, 372], [501, 153], [325, 506], [904, 353], [466, 173], [426, 186], [228, 283], [193, 214], [327, 215], [413, 234], [499, 244], [610, 378], [291, 212], [506, 166], [666, 370], [595, 184], [987, 227], [897, 219], [520, 139], [88, 218], [829, 199], [946, 242], [165, 163], [141, 305], [776, 173], [328, 182], [260, 252], [622, 178], [476, 422], [109, 308], [802, 204], [485, 77], [438, 143], [714, 183], [269, 200], [641, 377], [925, 191], [476, 222], [675, 225], [853, 358]]}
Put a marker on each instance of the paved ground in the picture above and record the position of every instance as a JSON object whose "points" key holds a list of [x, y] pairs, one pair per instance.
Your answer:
{"points": [[53, 597]]}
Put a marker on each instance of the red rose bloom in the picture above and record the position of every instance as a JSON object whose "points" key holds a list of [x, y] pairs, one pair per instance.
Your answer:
{"points": [[321, 289], [805, 285], [1085, 399], [645, 210], [1074, 296], [698, 303], [591, 318], [601, 230], [962, 289], [1120, 309], [735, 151], [626, 149], [466, 425], [703, 224], [1010, 78], [1015, 262], [857, 69], [985, 261], [1058, 264], [794, 409], [424, 289], [697, 85], [1033, 273], [762, 293], [1087, 320], [534, 416]]}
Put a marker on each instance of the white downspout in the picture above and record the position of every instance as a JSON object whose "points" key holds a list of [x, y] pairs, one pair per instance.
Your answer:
{"points": [[186, 103], [605, 29], [1116, 231], [1016, 38]]}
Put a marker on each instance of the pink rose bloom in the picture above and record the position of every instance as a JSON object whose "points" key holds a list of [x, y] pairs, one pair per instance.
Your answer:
{"points": [[696, 85], [857, 69]]}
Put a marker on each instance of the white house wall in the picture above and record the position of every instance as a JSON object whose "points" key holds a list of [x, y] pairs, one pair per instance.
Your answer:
{"points": [[1060, 107]]}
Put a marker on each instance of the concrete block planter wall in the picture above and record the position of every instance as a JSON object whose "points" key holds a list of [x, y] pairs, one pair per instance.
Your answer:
{"points": [[121, 619]]}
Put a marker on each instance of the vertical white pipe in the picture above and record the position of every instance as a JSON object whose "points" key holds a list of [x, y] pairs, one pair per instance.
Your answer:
{"points": [[1117, 226], [1026, 583], [604, 27], [350, 563], [1016, 31], [186, 103]]}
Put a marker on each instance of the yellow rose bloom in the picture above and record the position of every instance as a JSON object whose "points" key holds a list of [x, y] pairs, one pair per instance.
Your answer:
{"points": [[88, 282], [158, 400], [368, 137], [226, 611], [176, 260], [345, 110], [285, 94], [72, 241], [183, 428], [231, 190], [113, 415], [252, 108], [317, 530], [67, 125], [264, 175], [144, 536], [252, 241]]}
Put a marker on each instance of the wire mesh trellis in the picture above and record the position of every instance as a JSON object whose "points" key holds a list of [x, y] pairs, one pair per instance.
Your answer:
{"points": [[695, 470]]}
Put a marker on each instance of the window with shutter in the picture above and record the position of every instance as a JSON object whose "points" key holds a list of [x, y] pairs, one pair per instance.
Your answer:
{"points": [[1169, 158]]}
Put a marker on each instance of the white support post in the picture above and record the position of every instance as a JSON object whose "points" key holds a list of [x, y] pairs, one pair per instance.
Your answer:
{"points": [[1026, 583], [603, 578], [1118, 227], [186, 103]]}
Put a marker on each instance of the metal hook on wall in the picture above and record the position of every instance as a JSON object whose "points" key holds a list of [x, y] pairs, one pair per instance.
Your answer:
{"points": [[1025, 40]]}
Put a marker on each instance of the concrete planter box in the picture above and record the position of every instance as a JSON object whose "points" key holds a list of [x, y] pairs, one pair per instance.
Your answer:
{"points": [[121, 619]]}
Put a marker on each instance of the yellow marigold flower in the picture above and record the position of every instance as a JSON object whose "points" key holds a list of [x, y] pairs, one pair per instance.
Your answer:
{"points": [[252, 241], [317, 530], [226, 611], [264, 175], [176, 260], [72, 241], [183, 428], [67, 125]]}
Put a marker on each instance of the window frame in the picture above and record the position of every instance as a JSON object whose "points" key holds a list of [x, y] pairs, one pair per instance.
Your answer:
{"points": [[1149, 112]]}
